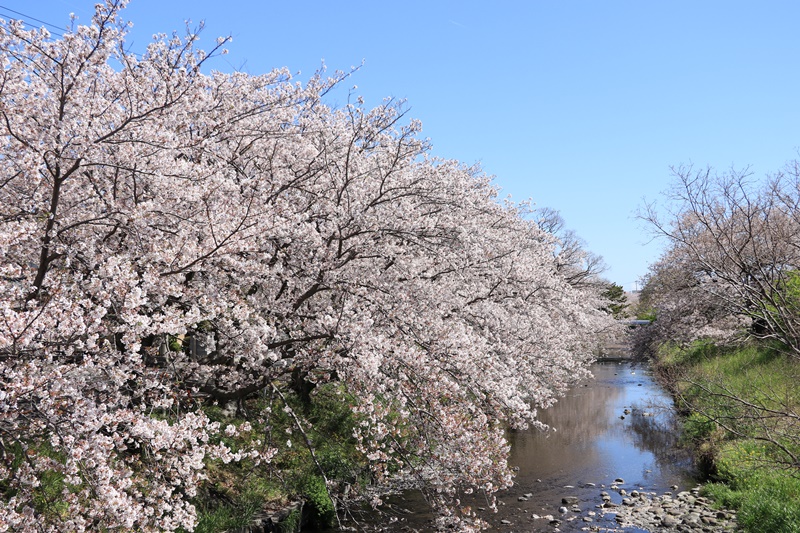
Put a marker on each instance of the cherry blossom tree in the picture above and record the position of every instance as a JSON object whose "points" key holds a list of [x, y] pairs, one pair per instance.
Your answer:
{"points": [[730, 275], [733, 254], [685, 309], [171, 238], [581, 267]]}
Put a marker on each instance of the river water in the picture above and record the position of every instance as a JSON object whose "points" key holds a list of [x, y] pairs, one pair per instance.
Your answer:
{"points": [[593, 442]]}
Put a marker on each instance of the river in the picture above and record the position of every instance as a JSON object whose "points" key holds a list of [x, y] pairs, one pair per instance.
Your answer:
{"points": [[593, 443]]}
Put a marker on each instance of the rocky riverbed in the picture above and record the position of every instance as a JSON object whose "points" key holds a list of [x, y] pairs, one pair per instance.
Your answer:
{"points": [[684, 512]]}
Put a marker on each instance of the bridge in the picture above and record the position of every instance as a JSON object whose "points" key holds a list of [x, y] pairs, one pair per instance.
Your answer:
{"points": [[618, 349]]}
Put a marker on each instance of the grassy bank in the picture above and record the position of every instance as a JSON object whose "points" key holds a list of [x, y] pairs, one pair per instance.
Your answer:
{"points": [[237, 492], [742, 416]]}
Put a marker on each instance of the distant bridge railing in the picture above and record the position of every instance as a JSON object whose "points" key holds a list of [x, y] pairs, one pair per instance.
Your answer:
{"points": [[618, 349], [636, 322]]}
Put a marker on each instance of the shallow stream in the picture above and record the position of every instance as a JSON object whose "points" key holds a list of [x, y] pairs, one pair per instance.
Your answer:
{"points": [[595, 442]]}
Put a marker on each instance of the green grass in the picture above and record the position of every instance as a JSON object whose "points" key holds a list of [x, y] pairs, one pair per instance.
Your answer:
{"points": [[766, 495], [48, 500], [221, 518], [766, 500], [236, 492], [740, 406]]}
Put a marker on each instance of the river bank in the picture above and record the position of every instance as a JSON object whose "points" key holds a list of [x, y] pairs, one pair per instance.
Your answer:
{"points": [[740, 411]]}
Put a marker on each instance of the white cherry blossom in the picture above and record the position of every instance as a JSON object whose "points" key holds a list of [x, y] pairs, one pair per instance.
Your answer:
{"points": [[146, 204]]}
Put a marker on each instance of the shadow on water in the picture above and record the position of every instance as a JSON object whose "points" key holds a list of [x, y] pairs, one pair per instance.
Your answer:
{"points": [[617, 425]]}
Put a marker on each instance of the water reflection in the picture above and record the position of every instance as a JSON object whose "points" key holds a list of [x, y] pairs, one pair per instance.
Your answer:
{"points": [[576, 422], [592, 442]]}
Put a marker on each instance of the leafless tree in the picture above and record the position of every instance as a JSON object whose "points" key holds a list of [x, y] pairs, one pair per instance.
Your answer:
{"points": [[735, 240], [580, 267]]}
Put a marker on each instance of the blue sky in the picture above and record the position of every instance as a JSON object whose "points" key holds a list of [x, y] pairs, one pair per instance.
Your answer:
{"points": [[581, 106]]}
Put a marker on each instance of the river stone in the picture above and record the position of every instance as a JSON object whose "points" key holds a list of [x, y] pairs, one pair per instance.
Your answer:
{"points": [[672, 514], [669, 521], [691, 519], [270, 521], [619, 480], [569, 500]]}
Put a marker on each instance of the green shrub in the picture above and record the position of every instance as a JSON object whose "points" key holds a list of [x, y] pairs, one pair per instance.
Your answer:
{"points": [[698, 428], [322, 511], [235, 492]]}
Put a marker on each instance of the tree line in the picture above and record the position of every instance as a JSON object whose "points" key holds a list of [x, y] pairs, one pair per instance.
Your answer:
{"points": [[147, 207], [731, 266], [725, 299]]}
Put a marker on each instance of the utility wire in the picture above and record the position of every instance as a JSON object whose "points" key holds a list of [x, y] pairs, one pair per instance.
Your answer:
{"points": [[58, 29]]}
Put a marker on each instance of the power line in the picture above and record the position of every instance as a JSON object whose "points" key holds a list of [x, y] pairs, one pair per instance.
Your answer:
{"points": [[58, 29]]}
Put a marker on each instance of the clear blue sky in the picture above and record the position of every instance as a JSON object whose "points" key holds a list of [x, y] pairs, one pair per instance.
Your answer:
{"points": [[581, 106]]}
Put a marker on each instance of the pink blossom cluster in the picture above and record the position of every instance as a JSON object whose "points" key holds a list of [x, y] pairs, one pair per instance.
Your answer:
{"points": [[146, 205]]}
